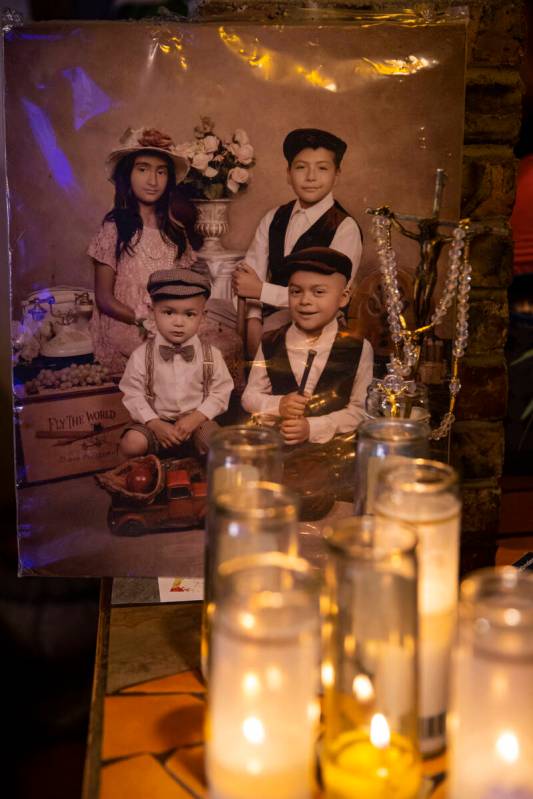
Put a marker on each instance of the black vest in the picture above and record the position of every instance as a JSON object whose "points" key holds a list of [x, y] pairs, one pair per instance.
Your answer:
{"points": [[334, 387], [318, 235]]}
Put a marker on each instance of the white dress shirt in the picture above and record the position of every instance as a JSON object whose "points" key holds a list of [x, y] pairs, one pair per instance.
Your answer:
{"points": [[178, 384], [347, 239], [258, 397]]}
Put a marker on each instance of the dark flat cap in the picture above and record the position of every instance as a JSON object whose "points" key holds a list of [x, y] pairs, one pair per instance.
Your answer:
{"points": [[317, 259], [177, 283], [301, 138]]}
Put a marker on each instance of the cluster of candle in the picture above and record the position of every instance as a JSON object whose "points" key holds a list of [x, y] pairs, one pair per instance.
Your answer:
{"points": [[387, 613]]}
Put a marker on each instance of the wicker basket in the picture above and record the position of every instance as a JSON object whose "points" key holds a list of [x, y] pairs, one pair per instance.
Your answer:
{"points": [[115, 480]]}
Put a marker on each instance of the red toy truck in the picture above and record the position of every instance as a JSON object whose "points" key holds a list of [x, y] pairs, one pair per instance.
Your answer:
{"points": [[180, 505]]}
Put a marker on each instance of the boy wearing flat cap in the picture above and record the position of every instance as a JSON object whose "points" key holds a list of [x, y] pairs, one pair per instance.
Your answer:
{"points": [[336, 376], [174, 385], [314, 218]]}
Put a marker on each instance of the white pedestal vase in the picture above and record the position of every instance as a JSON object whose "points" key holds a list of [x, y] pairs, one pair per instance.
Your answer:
{"points": [[219, 327], [212, 224]]}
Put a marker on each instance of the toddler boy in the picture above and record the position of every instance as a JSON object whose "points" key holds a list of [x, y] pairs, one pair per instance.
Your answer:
{"points": [[174, 385]]}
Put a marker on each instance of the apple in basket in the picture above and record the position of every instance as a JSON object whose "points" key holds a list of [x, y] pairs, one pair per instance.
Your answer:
{"points": [[140, 479]]}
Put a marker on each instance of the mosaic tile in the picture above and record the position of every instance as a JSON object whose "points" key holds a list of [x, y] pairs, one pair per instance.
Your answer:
{"points": [[134, 724], [141, 777], [188, 765], [185, 683]]}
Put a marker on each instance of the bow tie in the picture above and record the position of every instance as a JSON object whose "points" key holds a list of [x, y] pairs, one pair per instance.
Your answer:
{"points": [[167, 351]]}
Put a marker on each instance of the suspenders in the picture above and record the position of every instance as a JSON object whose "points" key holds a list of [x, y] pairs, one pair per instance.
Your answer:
{"points": [[208, 369]]}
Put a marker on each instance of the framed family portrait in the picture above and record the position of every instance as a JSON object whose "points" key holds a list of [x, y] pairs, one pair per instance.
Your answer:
{"points": [[163, 180]]}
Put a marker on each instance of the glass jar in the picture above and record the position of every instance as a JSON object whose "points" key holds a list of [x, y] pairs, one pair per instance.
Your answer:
{"points": [[406, 401], [370, 747], [425, 494], [263, 711], [491, 712], [241, 454], [256, 517], [382, 443], [238, 455]]}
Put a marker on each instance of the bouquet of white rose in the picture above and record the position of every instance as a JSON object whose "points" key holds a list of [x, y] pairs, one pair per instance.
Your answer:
{"points": [[218, 169]]}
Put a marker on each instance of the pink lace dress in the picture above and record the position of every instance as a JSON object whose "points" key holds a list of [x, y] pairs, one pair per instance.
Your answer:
{"points": [[114, 341]]}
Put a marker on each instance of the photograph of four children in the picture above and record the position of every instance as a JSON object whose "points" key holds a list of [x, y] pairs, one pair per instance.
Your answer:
{"points": [[298, 274], [323, 122]]}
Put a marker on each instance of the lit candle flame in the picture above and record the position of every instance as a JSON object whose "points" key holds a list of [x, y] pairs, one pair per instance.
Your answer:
{"points": [[508, 747], [250, 684], [253, 730], [363, 688], [247, 620], [379, 731], [328, 673], [512, 617], [313, 711], [233, 529]]}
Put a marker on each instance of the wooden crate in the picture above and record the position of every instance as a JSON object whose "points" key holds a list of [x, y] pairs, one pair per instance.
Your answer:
{"points": [[68, 433]]}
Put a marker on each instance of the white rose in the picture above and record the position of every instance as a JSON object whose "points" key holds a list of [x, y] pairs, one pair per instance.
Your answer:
{"points": [[236, 178], [186, 149], [200, 161], [240, 136], [244, 154], [211, 144], [210, 172]]}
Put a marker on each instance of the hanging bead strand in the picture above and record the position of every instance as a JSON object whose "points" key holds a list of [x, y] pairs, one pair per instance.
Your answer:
{"points": [[457, 285]]}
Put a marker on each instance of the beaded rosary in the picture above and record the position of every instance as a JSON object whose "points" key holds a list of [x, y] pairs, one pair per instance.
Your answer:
{"points": [[407, 343]]}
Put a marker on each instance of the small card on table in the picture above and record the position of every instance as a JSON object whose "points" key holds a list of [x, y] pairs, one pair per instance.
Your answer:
{"points": [[180, 589]]}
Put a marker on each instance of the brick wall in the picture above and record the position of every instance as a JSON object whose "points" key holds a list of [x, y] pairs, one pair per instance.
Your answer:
{"points": [[492, 122]]}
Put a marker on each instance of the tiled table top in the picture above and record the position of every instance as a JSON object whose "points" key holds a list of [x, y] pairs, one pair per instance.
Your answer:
{"points": [[146, 729]]}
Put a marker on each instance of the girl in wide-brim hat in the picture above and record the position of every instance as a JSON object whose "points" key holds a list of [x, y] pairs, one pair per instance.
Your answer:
{"points": [[150, 227], [142, 139]]}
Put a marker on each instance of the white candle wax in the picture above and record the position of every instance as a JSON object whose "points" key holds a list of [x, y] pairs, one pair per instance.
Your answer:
{"points": [[245, 533], [233, 476], [394, 680], [263, 712], [491, 745], [375, 466], [436, 518]]}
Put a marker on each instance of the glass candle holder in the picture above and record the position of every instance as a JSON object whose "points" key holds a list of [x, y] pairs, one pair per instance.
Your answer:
{"points": [[238, 455], [259, 517], [241, 454], [369, 749], [491, 712], [424, 493], [409, 401], [382, 443], [256, 517], [262, 705]]}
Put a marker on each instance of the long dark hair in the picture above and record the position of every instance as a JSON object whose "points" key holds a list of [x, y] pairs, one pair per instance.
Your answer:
{"points": [[175, 215]]}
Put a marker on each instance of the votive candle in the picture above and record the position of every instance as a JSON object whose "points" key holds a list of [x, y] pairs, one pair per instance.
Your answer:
{"points": [[369, 749], [424, 493], [491, 707], [263, 710]]}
